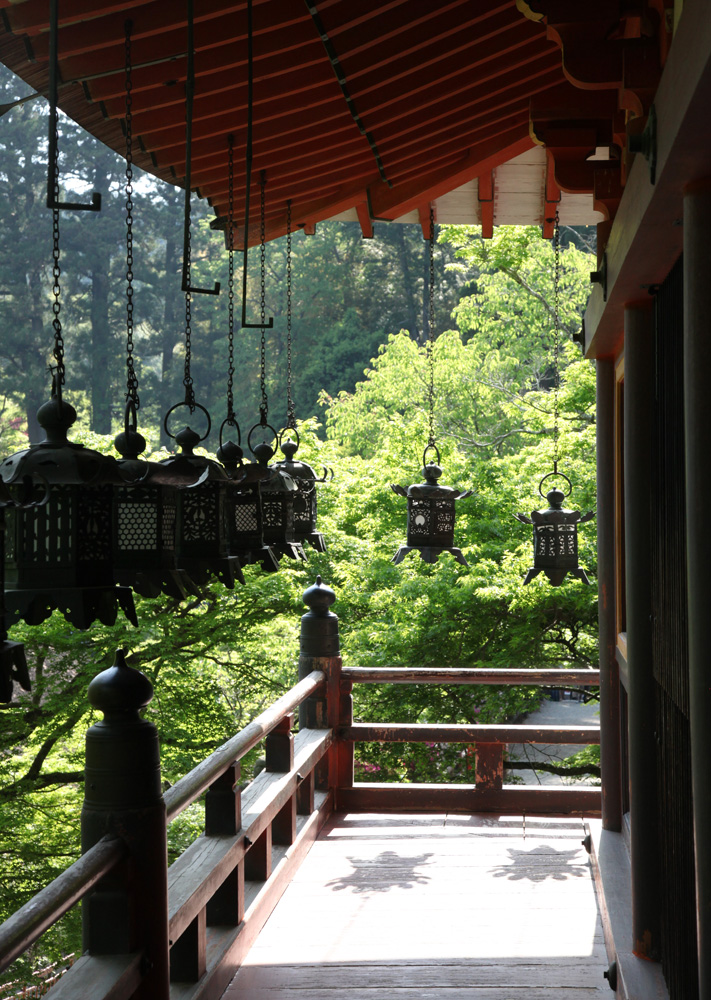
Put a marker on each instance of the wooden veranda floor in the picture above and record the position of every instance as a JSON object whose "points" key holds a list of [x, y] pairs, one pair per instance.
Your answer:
{"points": [[447, 907]]}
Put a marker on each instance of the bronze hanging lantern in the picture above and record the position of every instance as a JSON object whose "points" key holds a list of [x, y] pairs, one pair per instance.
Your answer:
{"points": [[59, 554], [202, 532], [277, 490], [555, 537], [305, 498], [145, 505], [244, 508], [430, 507], [430, 515], [555, 530], [276, 487], [243, 499], [145, 508], [13, 664]]}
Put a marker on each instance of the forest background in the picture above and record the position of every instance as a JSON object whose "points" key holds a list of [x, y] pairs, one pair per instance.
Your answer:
{"points": [[360, 389]]}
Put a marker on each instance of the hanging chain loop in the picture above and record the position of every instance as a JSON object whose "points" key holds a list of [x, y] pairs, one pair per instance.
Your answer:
{"points": [[430, 335], [264, 405], [290, 410], [556, 339], [58, 352], [187, 377], [131, 377], [231, 283]]}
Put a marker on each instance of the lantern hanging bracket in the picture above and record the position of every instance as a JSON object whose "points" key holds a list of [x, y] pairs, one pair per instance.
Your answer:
{"points": [[189, 94], [248, 180], [53, 201]]}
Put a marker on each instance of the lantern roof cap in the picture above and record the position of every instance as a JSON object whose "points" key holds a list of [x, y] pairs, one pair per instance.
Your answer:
{"points": [[230, 454], [57, 460], [294, 467], [188, 439]]}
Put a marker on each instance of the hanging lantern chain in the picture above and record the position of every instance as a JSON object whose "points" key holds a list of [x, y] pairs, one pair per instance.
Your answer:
{"points": [[430, 334], [231, 284], [187, 377], [131, 378], [58, 352], [290, 411], [556, 339], [264, 405]]}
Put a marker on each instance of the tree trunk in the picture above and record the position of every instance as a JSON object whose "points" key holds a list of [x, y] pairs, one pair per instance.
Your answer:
{"points": [[407, 284], [170, 330]]}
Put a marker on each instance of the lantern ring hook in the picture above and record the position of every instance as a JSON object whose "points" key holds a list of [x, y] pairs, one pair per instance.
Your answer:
{"points": [[560, 475], [296, 434], [230, 422], [430, 447], [192, 407], [130, 417], [264, 426]]}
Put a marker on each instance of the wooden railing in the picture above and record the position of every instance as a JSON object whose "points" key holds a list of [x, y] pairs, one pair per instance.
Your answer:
{"points": [[488, 793], [222, 888], [153, 932]]}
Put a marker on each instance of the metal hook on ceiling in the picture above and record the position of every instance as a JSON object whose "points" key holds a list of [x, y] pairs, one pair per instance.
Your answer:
{"points": [[189, 94], [248, 181], [52, 161]]}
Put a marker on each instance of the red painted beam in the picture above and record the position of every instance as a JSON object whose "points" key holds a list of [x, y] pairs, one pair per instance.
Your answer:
{"points": [[551, 198], [366, 223], [486, 203]]}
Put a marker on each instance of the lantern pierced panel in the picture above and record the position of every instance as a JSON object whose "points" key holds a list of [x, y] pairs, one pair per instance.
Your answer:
{"points": [[200, 515], [137, 526], [245, 516], [168, 526], [273, 513], [94, 524]]}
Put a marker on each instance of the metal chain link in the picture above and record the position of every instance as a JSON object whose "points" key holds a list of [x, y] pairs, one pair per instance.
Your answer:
{"points": [[430, 333], [58, 351], [290, 411], [264, 405], [231, 282], [131, 377], [556, 338], [187, 378]]}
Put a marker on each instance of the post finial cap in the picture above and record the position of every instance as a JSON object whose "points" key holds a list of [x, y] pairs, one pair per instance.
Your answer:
{"points": [[319, 597], [120, 689]]}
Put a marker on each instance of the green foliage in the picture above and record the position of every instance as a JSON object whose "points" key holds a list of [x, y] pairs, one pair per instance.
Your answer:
{"points": [[219, 659]]}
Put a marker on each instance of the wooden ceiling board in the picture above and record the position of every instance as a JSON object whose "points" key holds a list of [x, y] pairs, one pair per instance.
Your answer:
{"points": [[442, 92]]}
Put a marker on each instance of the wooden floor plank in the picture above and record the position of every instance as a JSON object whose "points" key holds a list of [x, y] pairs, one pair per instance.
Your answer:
{"points": [[404, 907]]}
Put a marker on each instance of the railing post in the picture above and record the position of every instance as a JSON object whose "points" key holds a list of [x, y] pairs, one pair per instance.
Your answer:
{"points": [[279, 752], [320, 651], [489, 766], [223, 817], [345, 748], [129, 910]]}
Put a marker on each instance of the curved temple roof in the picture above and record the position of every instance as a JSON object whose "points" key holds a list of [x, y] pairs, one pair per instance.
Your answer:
{"points": [[374, 108]]}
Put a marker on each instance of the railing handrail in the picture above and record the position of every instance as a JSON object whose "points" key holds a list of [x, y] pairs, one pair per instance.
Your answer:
{"points": [[422, 732], [471, 675], [27, 924], [195, 782]]}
